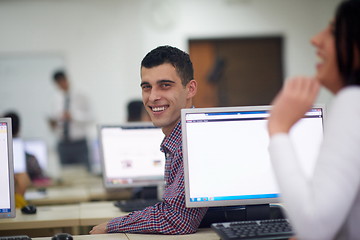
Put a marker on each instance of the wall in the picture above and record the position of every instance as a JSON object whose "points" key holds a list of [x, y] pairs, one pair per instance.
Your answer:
{"points": [[102, 42]]}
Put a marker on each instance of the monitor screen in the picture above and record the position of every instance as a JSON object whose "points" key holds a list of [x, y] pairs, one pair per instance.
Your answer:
{"points": [[131, 155], [7, 197], [19, 155], [95, 162], [38, 148], [226, 156]]}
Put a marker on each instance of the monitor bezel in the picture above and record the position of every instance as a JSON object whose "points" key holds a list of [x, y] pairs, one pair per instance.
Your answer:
{"points": [[113, 187], [12, 213], [223, 203]]}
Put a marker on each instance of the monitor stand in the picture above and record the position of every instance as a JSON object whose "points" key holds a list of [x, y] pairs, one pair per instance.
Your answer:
{"points": [[241, 213], [256, 212], [150, 192]]}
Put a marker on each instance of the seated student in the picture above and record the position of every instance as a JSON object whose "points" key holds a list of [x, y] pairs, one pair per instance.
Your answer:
{"points": [[328, 205], [33, 167], [167, 86], [136, 112], [21, 178]]}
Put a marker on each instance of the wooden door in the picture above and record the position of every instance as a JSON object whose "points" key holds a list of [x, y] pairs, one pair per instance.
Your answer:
{"points": [[237, 71]]}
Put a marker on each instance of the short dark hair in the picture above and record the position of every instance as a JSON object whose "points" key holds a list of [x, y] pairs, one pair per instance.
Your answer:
{"points": [[15, 121], [58, 75], [347, 40], [167, 54], [135, 109]]}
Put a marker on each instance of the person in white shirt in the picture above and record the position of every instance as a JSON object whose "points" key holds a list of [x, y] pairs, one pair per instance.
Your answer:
{"points": [[328, 205], [70, 120]]}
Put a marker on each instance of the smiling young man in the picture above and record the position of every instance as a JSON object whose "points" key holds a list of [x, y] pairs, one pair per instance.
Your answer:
{"points": [[168, 85]]}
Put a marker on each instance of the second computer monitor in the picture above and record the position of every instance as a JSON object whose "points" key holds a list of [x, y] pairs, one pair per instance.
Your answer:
{"points": [[131, 156], [226, 157]]}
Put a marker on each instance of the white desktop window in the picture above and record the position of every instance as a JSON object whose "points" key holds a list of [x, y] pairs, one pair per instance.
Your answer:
{"points": [[5, 199]]}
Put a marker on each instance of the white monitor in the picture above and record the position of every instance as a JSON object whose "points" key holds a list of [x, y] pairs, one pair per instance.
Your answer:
{"points": [[226, 156], [19, 155], [131, 156], [7, 195], [95, 161]]}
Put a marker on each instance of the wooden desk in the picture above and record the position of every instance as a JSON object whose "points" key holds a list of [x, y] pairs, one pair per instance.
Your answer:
{"points": [[202, 234], [98, 193], [47, 220], [94, 213], [72, 218], [113, 236], [50, 220], [70, 194], [61, 195]]}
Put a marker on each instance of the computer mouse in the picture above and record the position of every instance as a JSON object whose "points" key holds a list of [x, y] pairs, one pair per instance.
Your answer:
{"points": [[62, 236], [29, 209]]}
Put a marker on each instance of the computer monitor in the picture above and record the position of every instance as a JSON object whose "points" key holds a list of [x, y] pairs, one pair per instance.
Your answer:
{"points": [[7, 195], [38, 148], [95, 162], [226, 158], [131, 156], [19, 155]]}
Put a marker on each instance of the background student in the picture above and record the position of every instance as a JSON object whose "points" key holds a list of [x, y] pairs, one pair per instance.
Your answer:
{"points": [[168, 85], [21, 178], [136, 112], [328, 205]]}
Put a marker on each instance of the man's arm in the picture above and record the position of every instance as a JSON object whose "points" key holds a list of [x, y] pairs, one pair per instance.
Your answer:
{"points": [[167, 217], [99, 229]]}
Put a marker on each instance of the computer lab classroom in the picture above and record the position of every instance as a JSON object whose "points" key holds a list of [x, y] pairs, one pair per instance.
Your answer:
{"points": [[242, 52]]}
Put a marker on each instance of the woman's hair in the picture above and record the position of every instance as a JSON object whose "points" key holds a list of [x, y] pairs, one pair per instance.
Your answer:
{"points": [[347, 41]]}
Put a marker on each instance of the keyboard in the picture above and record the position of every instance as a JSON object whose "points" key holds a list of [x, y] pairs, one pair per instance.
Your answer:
{"points": [[257, 229], [135, 204], [19, 237]]}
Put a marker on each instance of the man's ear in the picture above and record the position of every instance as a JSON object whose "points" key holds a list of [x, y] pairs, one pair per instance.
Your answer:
{"points": [[191, 88]]}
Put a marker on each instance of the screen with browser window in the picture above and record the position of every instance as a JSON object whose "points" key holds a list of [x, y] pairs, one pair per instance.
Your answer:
{"points": [[7, 198], [226, 156], [131, 155]]}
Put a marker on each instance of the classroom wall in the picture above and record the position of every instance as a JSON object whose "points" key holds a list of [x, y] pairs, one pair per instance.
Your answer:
{"points": [[101, 44]]}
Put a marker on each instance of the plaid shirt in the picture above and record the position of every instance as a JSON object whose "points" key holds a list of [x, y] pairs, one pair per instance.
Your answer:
{"points": [[170, 216]]}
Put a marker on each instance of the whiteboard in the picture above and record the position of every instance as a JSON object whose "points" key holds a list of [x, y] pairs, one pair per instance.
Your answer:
{"points": [[26, 86]]}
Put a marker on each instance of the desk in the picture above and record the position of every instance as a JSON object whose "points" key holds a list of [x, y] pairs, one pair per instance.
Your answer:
{"points": [[74, 194], [48, 219], [98, 193], [77, 185], [60, 195], [202, 234], [94, 213], [114, 236], [70, 218]]}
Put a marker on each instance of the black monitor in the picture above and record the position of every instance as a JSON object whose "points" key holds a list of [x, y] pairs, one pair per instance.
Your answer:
{"points": [[7, 195], [131, 156], [226, 156]]}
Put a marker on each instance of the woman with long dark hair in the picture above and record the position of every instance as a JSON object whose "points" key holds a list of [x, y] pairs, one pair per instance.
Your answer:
{"points": [[327, 206]]}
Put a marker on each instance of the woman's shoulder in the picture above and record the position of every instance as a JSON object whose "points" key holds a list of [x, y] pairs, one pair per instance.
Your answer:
{"points": [[346, 101], [350, 91]]}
